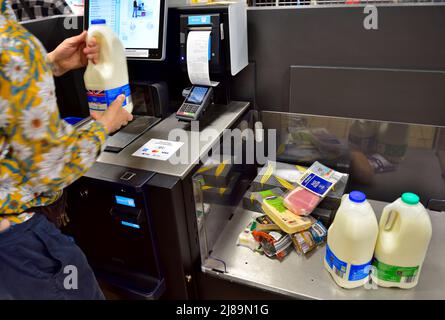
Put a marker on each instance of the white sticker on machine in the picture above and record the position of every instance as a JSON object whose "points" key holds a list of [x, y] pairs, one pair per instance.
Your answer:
{"points": [[158, 149]]}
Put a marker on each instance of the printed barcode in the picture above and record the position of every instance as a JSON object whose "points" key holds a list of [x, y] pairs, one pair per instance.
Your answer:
{"points": [[409, 279], [339, 273]]}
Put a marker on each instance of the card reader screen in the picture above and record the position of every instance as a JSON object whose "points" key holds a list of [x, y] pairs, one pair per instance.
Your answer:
{"points": [[197, 95]]}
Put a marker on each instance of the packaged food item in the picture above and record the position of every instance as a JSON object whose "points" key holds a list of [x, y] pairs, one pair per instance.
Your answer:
{"points": [[289, 222], [246, 238], [264, 223], [277, 174], [332, 200], [363, 135], [217, 173], [221, 195], [275, 244], [301, 201], [308, 240], [253, 200], [314, 184]]}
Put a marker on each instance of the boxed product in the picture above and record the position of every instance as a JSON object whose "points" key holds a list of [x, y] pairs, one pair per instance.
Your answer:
{"points": [[221, 195], [289, 222], [277, 174], [217, 173]]}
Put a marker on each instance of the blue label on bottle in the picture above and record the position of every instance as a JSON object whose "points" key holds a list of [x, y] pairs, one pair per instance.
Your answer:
{"points": [[359, 272], [99, 100], [316, 184], [338, 266]]}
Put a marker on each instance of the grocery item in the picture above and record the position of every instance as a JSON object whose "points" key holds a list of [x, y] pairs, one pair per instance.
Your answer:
{"points": [[351, 241], [392, 141], [264, 223], [308, 240], [275, 244], [108, 79], [363, 135], [301, 201], [317, 181], [289, 222], [404, 235], [246, 238]]}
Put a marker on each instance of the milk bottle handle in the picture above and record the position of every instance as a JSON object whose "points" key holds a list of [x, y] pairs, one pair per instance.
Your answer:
{"points": [[104, 48], [388, 219]]}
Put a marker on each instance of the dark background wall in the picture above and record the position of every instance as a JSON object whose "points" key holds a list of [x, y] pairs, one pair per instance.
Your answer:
{"points": [[292, 52]]}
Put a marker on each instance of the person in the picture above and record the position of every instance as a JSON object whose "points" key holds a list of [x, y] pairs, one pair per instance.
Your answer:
{"points": [[40, 154], [135, 9], [39, 9]]}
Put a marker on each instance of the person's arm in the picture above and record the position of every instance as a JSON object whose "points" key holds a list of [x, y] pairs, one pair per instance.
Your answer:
{"points": [[52, 152]]}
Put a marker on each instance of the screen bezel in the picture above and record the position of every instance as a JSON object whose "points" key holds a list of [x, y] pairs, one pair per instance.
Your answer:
{"points": [[203, 97], [153, 54]]}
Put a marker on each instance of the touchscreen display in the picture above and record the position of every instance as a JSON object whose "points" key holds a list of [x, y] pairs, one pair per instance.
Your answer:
{"points": [[197, 95]]}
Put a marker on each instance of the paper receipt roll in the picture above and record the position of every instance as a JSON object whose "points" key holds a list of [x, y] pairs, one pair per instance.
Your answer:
{"points": [[198, 58]]}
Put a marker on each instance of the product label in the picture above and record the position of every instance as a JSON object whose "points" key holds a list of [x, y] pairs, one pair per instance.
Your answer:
{"points": [[339, 267], [276, 202], [359, 272], [396, 274], [316, 184], [100, 100]]}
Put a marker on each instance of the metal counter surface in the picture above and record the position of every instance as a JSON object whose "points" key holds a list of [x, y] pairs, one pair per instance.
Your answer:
{"points": [[305, 277], [220, 117]]}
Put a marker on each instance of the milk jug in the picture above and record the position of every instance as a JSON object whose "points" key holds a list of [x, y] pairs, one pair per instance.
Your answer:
{"points": [[404, 236], [392, 141], [108, 79], [351, 241]]}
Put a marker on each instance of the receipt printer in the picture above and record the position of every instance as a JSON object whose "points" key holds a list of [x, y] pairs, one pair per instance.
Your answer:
{"points": [[228, 35]]}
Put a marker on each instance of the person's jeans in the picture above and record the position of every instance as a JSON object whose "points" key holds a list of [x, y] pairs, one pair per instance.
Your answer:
{"points": [[135, 12], [38, 262]]}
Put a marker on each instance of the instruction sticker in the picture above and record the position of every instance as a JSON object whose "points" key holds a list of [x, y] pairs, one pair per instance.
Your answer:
{"points": [[158, 149]]}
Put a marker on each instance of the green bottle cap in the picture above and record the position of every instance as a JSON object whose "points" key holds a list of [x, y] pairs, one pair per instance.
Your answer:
{"points": [[410, 198]]}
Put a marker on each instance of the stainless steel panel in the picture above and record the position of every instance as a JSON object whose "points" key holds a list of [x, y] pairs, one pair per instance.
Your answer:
{"points": [[222, 117], [306, 278]]}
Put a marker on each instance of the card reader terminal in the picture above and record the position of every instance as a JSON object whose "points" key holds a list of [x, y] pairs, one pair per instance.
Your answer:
{"points": [[195, 104]]}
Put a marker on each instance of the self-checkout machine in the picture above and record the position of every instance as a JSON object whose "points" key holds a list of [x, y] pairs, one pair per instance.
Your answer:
{"points": [[133, 213]]}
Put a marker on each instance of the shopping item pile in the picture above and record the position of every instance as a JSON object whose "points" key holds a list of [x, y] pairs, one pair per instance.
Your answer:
{"points": [[288, 196]]}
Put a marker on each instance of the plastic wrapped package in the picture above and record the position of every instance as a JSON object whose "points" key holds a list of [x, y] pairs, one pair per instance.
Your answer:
{"points": [[301, 201], [275, 244]]}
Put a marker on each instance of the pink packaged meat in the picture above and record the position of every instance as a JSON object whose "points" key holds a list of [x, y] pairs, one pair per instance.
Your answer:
{"points": [[301, 201]]}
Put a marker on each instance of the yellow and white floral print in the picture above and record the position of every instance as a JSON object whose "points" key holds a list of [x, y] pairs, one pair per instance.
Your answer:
{"points": [[40, 154]]}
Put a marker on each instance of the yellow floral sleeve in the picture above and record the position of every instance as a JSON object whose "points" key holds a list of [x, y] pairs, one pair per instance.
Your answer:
{"points": [[40, 153]]}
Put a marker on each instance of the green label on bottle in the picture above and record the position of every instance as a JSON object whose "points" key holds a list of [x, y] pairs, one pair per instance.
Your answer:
{"points": [[396, 274]]}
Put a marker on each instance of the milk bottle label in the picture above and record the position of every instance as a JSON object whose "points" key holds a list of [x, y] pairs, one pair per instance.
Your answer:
{"points": [[395, 274], [100, 100], [340, 268]]}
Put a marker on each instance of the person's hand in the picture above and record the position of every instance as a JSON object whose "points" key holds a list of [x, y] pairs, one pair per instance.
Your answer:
{"points": [[74, 53], [115, 116], [4, 225]]}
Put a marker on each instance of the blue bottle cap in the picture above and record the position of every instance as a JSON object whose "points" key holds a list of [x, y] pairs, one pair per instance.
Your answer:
{"points": [[98, 21], [357, 196]]}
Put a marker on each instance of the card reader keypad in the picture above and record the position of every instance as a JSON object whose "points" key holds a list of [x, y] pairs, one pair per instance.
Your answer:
{"points": [[188, 109]]}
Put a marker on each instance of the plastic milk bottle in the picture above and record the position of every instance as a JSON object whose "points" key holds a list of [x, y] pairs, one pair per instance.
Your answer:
{"points": [[404, 236], [351, 241], [108, 79]]}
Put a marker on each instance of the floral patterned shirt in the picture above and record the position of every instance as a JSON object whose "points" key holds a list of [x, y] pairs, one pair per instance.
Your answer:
{"points": [[40, 154]]}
